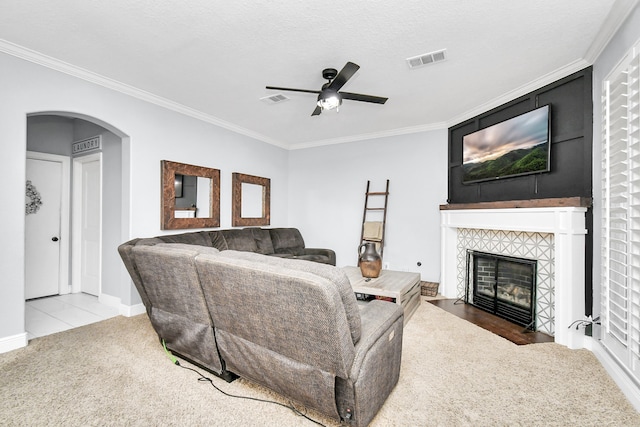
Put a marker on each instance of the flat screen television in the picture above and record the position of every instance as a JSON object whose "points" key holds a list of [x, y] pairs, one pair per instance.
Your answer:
{"points": [[517, 146]]}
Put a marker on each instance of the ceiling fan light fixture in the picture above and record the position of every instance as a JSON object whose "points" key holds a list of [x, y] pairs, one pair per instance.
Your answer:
{"points": [[329, 99]]}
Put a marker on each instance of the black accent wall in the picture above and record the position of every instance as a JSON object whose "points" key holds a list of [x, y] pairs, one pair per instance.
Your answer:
{"points": [[571, 153], [571, 145]]}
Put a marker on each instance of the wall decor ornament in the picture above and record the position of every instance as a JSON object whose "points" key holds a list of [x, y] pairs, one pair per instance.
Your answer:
{"points": [[206, 202], [240, 182], [35, 202]]}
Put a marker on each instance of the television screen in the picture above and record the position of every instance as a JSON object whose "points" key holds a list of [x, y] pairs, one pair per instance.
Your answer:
{"points": [[517, 146]]}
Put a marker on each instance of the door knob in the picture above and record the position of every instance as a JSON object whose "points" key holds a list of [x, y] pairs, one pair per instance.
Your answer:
{"points": [[55, 239]]}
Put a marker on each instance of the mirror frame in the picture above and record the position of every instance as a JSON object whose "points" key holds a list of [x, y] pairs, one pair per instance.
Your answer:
{"points": [[168, 220], [236, 208]]}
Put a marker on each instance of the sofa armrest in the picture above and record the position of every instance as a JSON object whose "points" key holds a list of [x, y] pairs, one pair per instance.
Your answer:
{"points": [[329, 253], [127, 258], [378, 318], [376, 367]]}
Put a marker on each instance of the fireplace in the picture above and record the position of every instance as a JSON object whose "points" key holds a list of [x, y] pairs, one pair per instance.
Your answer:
{"points": [[559, 224], [502, 285]]}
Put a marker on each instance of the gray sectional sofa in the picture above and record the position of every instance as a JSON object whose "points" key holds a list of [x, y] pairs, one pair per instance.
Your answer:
{"points": [[277, 242], [291, 325]]}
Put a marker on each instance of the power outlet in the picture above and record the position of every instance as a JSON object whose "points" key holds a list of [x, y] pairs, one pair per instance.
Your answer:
{"points": [[386, 266]]}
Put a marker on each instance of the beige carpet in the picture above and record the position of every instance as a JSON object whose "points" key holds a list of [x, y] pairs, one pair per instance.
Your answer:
{"points": [[453, 374]]}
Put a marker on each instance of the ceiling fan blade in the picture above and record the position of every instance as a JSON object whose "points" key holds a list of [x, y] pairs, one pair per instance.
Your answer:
{"points": [[292, 90], [343, 76], [317, 111], [363, 98]]}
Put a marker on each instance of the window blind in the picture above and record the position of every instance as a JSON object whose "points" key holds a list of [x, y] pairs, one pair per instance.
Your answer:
{"points": [[621, 212]]}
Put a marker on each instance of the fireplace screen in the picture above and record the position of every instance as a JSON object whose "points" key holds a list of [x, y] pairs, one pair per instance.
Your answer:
{"points": [[502, 285]]}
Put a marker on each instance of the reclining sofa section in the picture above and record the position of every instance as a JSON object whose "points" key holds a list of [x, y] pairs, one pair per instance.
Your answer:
{"points": [[291, 325]]}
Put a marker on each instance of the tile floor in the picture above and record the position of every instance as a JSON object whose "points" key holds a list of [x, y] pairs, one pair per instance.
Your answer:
{"points": [[45, 316]]}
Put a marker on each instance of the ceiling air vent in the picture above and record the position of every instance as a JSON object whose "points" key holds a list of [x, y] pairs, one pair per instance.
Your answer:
{"points": [[427, 58], [274, 99]]}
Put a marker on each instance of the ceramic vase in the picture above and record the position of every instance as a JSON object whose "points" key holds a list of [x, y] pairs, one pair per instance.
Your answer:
{"points": [[369, 261]]}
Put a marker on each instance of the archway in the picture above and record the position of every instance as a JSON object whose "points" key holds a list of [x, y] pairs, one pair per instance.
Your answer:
{"points": [[55, 132]]}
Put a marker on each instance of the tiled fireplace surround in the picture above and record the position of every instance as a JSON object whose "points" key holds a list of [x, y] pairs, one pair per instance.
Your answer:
{"points": [[549, 230]]}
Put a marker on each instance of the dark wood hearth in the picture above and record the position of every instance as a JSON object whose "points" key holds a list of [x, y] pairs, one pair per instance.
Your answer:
{"points": [[488, 321]]}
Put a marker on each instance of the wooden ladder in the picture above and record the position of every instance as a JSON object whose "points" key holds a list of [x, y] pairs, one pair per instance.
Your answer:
{"points": [[375, 211]]}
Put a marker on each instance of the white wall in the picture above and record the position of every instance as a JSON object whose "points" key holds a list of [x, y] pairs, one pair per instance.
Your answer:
{"points": [[151, 134], [327, 192]]}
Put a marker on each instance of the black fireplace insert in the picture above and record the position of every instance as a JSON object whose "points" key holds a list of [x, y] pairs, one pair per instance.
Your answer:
{"points": [[502, 285]]}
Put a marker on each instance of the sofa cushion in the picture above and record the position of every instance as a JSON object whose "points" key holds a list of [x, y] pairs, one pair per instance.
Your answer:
{"points": [[314, 257], [263, 240], [280, 327], [149, 241], [282, 255], [179, 313], [333, 274], [218, 241], [197, 238], [187, 247], [287, 241], [240, 240], [241, 285]]}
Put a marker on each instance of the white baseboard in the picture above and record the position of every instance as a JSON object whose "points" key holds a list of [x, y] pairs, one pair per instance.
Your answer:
{"points": [[627, 385], [124, 310], [132, 310], [13, 342], [109, 300]]}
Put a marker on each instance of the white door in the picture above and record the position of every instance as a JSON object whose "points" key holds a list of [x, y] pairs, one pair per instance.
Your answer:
{"points": [[88, 170], [42, 228]]}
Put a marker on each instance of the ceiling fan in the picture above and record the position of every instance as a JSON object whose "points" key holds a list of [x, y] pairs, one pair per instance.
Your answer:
{"points": [[329, 96]]}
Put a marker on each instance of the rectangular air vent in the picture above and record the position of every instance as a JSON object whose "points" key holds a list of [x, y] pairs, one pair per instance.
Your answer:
{"points": [[274, 99], [427, 58]]}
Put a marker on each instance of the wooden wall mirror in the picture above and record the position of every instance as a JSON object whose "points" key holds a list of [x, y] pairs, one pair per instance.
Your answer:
{"points": [[251, 200], [190, 196]]}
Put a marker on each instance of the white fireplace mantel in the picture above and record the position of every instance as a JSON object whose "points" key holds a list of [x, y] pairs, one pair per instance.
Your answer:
{"points": [[566, 223]]}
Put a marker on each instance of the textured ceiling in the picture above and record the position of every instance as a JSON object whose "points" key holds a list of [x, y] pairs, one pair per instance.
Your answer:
{"points": [[216, 57]]}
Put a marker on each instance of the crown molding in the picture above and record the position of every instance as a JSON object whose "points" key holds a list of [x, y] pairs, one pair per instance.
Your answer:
{"points": [[549, 78], [89, 76], [367, 136], [66, 68], [616, 17], [619, 12]]}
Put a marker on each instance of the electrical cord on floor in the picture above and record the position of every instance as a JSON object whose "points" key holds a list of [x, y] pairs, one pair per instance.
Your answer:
{"points": [[203, 378], [588, 322]]}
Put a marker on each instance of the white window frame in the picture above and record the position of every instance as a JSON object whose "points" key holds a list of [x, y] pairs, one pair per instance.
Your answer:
{"points": [[620, 303]]}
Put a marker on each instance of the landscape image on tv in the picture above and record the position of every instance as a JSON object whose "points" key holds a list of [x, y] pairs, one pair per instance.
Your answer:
{"points": [[517, 146]]}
